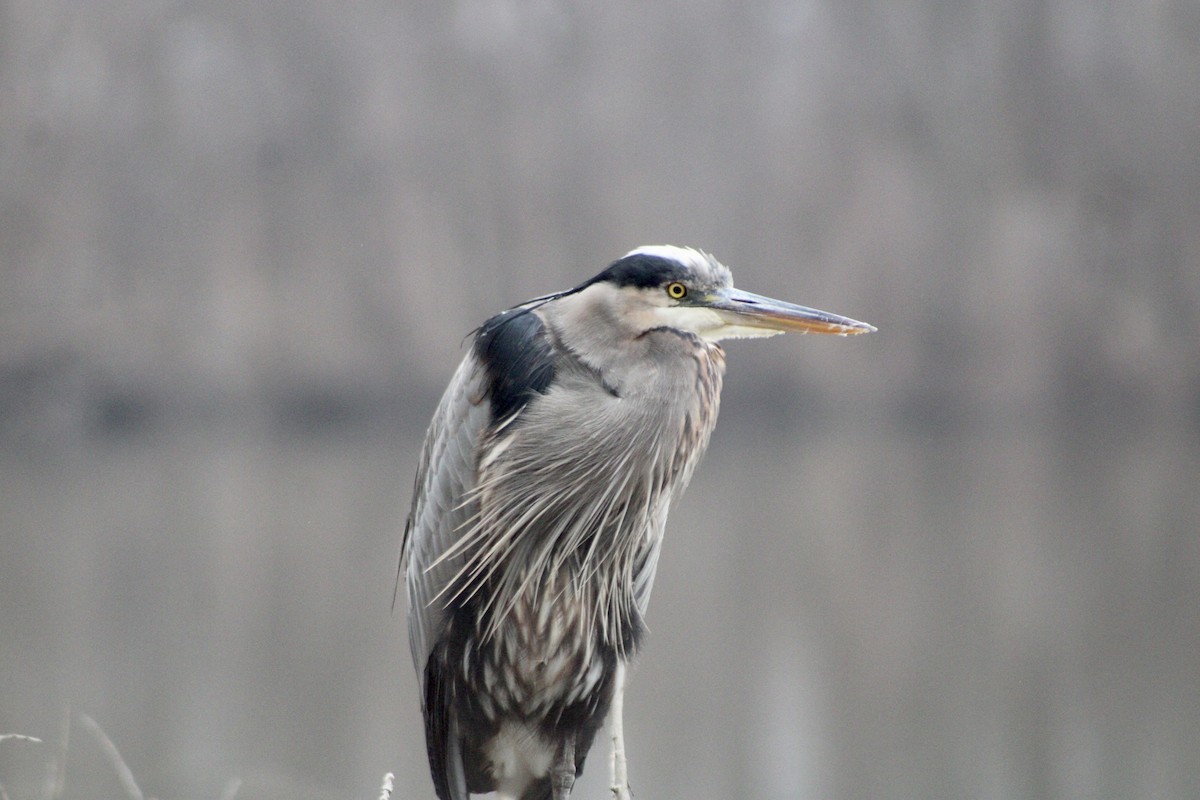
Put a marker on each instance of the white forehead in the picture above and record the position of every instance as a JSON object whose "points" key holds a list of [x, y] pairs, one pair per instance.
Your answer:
{"points": [[705, 267]]}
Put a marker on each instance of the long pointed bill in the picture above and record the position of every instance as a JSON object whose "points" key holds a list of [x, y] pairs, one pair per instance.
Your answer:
{"points": [[764, 316]]}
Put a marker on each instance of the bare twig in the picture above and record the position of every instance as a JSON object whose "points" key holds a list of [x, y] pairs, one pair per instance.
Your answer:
{"points": [[620, 770], [385, 791], [19, 737], [114, 758]]}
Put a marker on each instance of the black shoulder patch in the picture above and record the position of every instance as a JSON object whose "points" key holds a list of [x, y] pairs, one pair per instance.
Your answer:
{"points": [[642, 270], [519, 358]]}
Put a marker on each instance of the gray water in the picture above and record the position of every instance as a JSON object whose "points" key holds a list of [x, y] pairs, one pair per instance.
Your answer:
{"points": [[843, 609]]}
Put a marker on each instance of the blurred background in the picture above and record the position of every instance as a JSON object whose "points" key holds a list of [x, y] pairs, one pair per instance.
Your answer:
{"points": [[241, 245]]}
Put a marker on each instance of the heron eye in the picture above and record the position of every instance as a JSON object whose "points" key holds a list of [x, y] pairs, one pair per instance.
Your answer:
{"points": [[676, 290]]}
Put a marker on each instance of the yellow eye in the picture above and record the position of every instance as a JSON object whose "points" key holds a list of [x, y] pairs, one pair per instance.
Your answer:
{"points": [[676, 290]]}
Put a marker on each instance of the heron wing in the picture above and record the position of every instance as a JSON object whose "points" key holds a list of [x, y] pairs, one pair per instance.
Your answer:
{"points": [[510, 363], [445, 476]]}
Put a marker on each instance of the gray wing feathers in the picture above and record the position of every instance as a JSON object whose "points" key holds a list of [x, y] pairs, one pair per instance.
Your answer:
{"points": [[446, 474]]}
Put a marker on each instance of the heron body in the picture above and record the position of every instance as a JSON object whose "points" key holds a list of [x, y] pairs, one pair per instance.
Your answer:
{"points": [[540, 502]]}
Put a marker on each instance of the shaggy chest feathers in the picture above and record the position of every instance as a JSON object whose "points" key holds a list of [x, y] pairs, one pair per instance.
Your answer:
{"points": [[563, 539]]}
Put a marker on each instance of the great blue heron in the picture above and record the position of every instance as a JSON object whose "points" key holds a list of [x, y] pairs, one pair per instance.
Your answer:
{"points": [[540, 501]]}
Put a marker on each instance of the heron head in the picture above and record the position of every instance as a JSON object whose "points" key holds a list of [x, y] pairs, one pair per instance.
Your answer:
{"points": [[663, 286]]}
